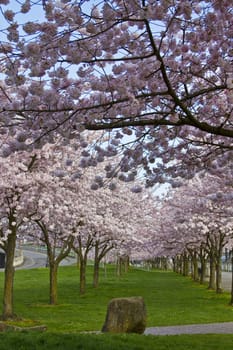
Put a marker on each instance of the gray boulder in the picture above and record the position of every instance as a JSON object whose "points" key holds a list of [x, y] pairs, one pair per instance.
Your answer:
{"points": [[125, 315]]}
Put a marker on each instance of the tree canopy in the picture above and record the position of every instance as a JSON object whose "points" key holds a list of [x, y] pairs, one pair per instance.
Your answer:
{"points": [[157, 71]]}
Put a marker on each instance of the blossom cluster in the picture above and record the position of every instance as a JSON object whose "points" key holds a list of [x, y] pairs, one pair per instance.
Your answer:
{"points": [[156, 71]]}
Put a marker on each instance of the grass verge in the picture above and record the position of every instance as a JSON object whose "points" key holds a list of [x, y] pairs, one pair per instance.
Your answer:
{"points": [[170, 300], [51, 341]]}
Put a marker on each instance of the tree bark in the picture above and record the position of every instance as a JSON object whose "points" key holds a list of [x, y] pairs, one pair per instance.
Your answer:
{"points": [[203, 271], [101, 249], [185, 265], [174, 263], [96, 267], [96, 274], [203, 260], [118, 266], [53, 283], [212, 274], [54, 258], [194, 262], [218, 277], [126, 263], [179, 264], [83, 264], [8, 312], [195, 269], [78, 261], [82, 249], [164, 263], [122, 265]]}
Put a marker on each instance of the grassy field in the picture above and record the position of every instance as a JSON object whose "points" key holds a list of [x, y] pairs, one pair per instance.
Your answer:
{"points": [[170, 300]]}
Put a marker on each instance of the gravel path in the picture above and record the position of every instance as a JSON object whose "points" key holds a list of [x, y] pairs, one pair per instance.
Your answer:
{"points": [[216, 328]]}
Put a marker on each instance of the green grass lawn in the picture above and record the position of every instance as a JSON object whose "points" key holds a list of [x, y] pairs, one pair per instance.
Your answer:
{"points": [[19, 341], [170, 300]]}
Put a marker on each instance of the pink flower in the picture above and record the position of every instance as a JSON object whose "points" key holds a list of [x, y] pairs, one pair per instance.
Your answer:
{"points": [[26, 6], [9, 15], [229, 82]]}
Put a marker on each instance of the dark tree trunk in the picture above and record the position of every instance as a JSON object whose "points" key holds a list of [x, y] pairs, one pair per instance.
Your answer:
{"points": [[185, 265], [179, 260], [8, 312], [96, 266], [126, 263], [54, 258], [96, 273], [212, 274], [218, 261], [219, 276], [195, 270], [203, 261], [174, 263], [119, 266], [78, 261], [203, 270], [97, 260], [122, 265], [82, 269], [53, 283], [164, 263], [194, 261], [101, 249], [82, 250]]}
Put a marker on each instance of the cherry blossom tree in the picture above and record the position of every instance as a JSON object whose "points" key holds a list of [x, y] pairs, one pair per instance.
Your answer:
{"points": [[17, 189], [111, 219], [102, 247], [53, 225], [24, 178], [198, 219], [154, 76], [156, 71], [66, 211]]}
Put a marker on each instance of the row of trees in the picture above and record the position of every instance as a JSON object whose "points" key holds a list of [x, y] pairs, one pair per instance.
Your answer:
{"points": [[156, 78], [45, 197], [194, 226]]}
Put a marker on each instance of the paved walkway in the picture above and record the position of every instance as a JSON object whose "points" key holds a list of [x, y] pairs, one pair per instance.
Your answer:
{"points": [[210, 328]]}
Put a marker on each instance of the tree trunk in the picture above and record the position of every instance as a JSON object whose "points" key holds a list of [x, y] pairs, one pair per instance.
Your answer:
{"points": [[9, 277], [212, 274], [53, 283], [49, 238], [203, 261], [78, 261], [185, 265], [218, 255], [195, 267], [118, 266], [218, 277], [174, 263], [96, 273], [82, 269], [203, 270], [165, 264], [96, 266], [126, 263], [179, 260]]}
